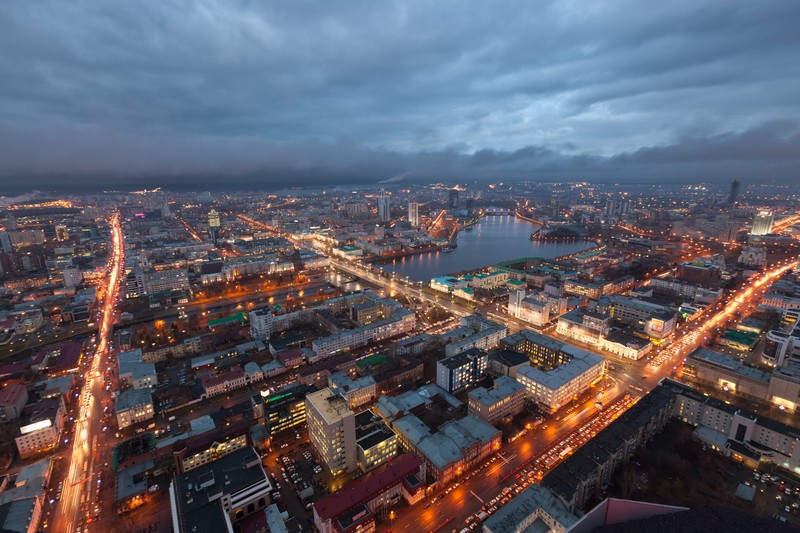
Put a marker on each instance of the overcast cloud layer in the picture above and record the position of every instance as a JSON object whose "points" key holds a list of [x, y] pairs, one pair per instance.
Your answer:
{"points": [[353, 91]]}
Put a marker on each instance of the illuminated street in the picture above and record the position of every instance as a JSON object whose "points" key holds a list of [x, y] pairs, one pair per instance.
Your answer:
{"points": [[77, 504]]}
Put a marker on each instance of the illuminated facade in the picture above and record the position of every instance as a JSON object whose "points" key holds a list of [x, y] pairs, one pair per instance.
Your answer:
{"points": [[332, 430], [40, 427]]}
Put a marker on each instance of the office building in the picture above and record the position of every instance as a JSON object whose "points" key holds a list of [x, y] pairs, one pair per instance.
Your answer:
{"points": [[450, 450], [480, 333], [655, 321], [332, 430], [413, 214], [554, 388], [133, 406], [357, 391], [40, 426], [72, 276], [282, 409], [461, 370], [504, 400], [733, 196], [375, 441], [583, 325], [762, 223], [215, 496], [384, 207], [700, 272], [542, 351], [452, 198]]}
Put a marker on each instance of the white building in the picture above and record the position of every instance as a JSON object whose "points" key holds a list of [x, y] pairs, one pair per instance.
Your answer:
{"points": [[384, 207], [762, 223], [557, 387], [40, 427], [72, 276], [261, 324], [505, 399], [413, 214]]}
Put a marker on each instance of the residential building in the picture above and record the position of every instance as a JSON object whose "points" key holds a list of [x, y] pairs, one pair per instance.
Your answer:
{"points": [[384, 207], [261, 324], [413, 214]]}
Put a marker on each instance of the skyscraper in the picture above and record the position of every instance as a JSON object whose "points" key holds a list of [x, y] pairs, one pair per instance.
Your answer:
{"points": [[383, 207], [762, 223], [734, 195], [453, 198], [413, 214], [213, 224]]}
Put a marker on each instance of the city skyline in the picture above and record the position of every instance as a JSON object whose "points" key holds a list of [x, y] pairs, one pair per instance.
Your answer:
{"points": [[367, 93]]}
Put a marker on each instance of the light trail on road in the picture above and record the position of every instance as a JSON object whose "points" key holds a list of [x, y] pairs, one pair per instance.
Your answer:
{"points": [[81, 458]]}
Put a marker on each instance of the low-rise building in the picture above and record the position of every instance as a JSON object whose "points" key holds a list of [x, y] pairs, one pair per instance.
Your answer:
{"points": [[583, 325], [555, 388], [357, 391], [534, 509], [13, 398], [40, 427], [454, 448], [135, 373], [218, 494], [506, 362], [225, 382], [133, 406], [504, 400], [353, 508]]}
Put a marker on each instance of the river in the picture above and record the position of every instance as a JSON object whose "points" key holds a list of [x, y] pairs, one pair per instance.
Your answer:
{"points": [[492, 240]]}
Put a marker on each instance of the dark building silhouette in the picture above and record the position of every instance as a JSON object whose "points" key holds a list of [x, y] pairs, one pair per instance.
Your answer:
{"points": [[734, 195]]}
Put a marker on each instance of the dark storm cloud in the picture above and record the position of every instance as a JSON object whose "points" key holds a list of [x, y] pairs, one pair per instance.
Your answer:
{"points": [[367, 91]]}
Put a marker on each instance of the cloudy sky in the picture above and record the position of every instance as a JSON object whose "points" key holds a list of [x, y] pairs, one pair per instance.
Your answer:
{"points": [[169, 90]]}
